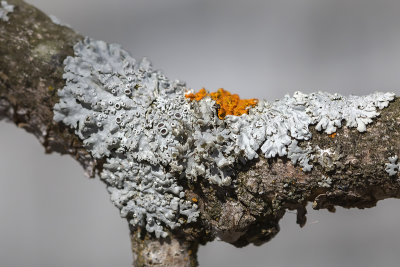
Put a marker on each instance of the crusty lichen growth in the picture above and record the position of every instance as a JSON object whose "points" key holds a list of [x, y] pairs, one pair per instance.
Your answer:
{"points": [[196, 96], [227, 103]]}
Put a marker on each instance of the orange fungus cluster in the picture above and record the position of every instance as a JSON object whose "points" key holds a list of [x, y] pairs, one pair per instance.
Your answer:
{"points": [[228, 104]]}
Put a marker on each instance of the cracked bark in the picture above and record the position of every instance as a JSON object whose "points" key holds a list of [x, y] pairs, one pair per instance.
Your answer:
{"points": [[32, 50]]}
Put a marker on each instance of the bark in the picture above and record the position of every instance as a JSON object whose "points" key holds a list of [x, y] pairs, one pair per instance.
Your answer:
{"points": [[168, 252], [32, 50]]}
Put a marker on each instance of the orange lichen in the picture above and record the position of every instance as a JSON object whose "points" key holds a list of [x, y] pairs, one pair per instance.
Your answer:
{"points": [[197, 96], [228, 104], [194, 199], [332, 135]]}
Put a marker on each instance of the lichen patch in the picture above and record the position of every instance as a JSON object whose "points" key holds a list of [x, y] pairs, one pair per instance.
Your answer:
{"points": [[5, 9], [153, 137], [393, 167], [227, 103], [44, 50]]}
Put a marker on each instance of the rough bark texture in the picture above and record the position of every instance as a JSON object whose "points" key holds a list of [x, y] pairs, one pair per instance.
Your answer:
{"points": [[168, 252], [32, 50]]}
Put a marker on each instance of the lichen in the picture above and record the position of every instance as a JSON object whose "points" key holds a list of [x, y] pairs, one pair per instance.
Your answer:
{"points": [[392, 168], [5, 9], [228, 104], [153, 136], [276, 127], [328, 158], [325, 182], [120, 111], [57, 21], [45, 50]]}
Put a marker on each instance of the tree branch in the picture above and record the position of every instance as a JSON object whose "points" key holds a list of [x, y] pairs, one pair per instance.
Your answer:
{"points": [[349, 166]]}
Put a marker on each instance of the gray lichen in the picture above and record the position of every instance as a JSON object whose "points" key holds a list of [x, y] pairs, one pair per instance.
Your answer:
{"points": [[5, 9], [57, 21], [325, 182], [328, 158], [277, 127], [392, 168], [153, 137], [122, 111]]}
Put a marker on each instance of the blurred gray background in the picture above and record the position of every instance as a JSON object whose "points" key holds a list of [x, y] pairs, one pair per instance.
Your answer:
{"points": [[52, 215]]}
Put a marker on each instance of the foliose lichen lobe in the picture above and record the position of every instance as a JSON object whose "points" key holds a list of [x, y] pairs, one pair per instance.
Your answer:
{"points": [[393, 167], [57, 21], [5, 9], [152, 136]]}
